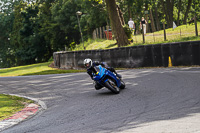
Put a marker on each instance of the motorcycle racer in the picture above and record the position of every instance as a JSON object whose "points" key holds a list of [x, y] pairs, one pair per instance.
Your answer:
{"points": [[90, 65]]}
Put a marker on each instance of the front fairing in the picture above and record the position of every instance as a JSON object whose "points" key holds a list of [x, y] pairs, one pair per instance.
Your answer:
{"points": [[100, 73]]}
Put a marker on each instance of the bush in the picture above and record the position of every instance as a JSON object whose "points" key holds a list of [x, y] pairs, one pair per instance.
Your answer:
{"points": [[128, 31]]}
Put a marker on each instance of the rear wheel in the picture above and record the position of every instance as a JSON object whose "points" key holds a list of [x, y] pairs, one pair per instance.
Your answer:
{"points": [[112, 86]]}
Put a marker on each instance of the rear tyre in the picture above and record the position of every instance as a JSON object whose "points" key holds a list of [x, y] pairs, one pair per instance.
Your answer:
{"points": [[112, 86]]}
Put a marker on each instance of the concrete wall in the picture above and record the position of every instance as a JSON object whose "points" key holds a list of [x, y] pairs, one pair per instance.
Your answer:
{"points": [[181, 53]]}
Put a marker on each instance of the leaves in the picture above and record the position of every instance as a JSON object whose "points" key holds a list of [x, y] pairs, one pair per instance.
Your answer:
{"points": [[32, 31]]}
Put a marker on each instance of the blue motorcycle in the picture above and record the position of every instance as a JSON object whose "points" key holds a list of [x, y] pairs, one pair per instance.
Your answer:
{"points": [[108, 79]]}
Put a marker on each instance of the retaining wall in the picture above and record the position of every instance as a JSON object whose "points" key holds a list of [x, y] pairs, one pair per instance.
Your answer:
{"points": [[181, 53]]}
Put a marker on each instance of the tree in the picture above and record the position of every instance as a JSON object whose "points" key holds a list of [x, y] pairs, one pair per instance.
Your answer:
{"points": [[116, 23], [179, 10], [64, 16], [187, 11], [168, 8], [153, 28], [32, 31], [94, 16], [157, 5], [7, 57]]}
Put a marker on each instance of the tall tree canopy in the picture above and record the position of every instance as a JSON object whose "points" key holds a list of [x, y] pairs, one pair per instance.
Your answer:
{"points": [[32, 30]]}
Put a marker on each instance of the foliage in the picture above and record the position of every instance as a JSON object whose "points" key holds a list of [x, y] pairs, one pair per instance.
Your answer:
{"points": [[6, 24], [128, 31], [32, 30]]}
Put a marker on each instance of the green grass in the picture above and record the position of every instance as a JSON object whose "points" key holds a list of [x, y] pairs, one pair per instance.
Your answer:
{"points": [[34, 69], [96, 44], [180, 34], [11, 104]]}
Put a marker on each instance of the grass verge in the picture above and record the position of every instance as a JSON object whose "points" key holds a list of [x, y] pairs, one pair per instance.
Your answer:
{"points": [[34, 69], [11, 104], [180, 34]]}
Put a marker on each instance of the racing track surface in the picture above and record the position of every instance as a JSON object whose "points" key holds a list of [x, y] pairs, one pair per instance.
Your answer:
{"points": [[156, 100]]}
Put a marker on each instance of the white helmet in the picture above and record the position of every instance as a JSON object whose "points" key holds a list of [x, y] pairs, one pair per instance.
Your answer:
{"points": [[87, 63]]}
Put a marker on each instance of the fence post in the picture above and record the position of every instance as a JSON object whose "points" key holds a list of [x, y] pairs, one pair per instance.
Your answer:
{"points": [[107, 28], [100, 30], [165, 38], [195, 21], [97, 31], [94, 34], [143, 34], [104, 35]]}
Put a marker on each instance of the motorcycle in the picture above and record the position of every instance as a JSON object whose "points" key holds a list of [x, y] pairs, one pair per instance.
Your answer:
{"points": [[108, 79]]}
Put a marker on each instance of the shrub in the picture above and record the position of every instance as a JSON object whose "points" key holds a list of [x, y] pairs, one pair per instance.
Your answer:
{"points": [[128, 31]]}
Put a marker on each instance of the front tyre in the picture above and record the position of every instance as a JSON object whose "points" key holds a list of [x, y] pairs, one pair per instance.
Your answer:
{"points": [[112, 86], [122, 86]]}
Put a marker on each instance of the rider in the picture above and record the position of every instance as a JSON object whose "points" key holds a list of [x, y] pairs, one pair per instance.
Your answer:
{"points": [[91, 69]]}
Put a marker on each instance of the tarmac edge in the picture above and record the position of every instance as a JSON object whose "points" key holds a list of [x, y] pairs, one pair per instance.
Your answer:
{"points": [[25, 114]]}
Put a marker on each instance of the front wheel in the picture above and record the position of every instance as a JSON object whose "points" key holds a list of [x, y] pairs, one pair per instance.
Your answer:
{"points": [[112, 86], [122, 86]]}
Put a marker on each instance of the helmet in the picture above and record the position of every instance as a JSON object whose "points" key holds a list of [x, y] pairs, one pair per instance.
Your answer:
{"points": [[87, 63]]}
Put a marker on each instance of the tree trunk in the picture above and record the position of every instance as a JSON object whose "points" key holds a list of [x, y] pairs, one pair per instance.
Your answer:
{"points": [[147, 18], [172, 13], [179, 10], [187, 11], [195, 22], [120, 15], [156, 15], [165, 12], [152, 21], [168, 9], [129, 12], [117, 28]]}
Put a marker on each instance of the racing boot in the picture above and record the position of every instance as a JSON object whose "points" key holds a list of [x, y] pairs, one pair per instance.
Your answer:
{"points": [[118, 75], [113, 70], [98, 86]]}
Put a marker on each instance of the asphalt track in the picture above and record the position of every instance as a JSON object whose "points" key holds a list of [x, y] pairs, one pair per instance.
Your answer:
{"points": [[164, 100]]}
